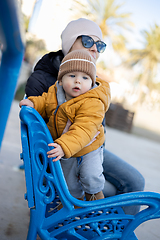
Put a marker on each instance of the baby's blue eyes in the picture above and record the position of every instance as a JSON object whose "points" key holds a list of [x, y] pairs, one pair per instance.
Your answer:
{"points": [[73, 76]]}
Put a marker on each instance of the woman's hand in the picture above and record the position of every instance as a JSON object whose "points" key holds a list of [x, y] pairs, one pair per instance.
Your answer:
{"points": [[68, 124], [57, 152], [26, 102]]}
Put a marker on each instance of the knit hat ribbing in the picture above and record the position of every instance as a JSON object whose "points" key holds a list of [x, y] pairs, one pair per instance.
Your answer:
{"points": [[78, 28], [78, 61]]}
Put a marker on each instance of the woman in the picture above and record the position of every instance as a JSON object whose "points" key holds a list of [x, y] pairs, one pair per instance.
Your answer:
{"points": [[85, 34]]}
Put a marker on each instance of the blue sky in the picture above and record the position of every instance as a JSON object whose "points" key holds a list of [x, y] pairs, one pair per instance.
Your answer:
{"points": [[145, 13]]}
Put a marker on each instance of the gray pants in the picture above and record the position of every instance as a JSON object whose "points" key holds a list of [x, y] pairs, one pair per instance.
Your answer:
{"points": [[84, 174]]}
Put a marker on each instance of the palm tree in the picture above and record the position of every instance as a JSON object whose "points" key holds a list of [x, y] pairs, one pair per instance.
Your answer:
{"points": [[107, 14], [148, 58]]}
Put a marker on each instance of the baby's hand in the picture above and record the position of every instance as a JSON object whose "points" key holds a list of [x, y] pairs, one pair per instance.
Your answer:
{"points": [[57, 152]]}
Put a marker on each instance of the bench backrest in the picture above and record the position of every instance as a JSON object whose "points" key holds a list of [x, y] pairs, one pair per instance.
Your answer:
{"points": [[44, 178]]}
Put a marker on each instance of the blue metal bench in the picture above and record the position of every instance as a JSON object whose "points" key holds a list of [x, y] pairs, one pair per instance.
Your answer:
{"points": [[46, 187]]}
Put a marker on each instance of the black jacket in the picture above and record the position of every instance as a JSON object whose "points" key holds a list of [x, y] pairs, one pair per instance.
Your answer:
{"points": [[45, 74]]}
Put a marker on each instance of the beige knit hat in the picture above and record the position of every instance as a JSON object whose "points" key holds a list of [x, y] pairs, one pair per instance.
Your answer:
{"points": [[78, 61], [77, 28]]}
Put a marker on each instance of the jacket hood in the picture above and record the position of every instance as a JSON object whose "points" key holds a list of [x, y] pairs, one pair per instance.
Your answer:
{"points": [[50, 62]]}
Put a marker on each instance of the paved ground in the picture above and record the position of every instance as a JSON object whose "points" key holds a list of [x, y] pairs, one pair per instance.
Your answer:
{"points": [[142, 153]]}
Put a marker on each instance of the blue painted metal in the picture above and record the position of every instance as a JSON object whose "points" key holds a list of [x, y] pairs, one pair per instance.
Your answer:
{"points": [[13, 50], [46, 187]]}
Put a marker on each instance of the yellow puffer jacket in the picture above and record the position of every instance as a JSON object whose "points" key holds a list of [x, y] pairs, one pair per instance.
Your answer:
{"points": [[86, 112]]}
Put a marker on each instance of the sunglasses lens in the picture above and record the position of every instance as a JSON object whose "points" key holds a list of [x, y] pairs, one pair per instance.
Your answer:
{"points": [[101, 46], [88, 42]]}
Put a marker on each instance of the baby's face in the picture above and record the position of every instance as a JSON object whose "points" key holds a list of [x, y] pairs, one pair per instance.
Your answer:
{"points": [[75, 84]]}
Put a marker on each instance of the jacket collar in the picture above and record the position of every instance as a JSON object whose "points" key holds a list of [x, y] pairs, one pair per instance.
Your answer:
{"points": [[60, 94]]}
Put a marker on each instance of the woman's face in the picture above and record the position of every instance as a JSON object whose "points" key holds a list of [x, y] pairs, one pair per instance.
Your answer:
{"points": [[93, 50]]}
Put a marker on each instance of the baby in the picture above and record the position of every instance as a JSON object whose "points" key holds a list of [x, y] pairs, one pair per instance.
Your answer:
{"points": [[75, 106]]}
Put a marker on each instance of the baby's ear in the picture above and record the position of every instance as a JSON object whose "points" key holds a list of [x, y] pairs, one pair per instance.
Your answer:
{"points": [[60, 82]]}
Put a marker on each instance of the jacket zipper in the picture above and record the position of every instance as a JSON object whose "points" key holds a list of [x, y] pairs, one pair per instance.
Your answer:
{"points": [[55, 114]]}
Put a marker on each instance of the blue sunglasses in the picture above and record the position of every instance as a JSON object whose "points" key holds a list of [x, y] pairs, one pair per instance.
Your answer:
{"points": [[88, 42]]}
